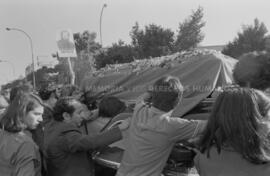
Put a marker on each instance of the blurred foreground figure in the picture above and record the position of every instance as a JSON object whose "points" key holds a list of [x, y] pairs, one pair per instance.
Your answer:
{"points": [[19, 155], [253, 70], [236, 139]]}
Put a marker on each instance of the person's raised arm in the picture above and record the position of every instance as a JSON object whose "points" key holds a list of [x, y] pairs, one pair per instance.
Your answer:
{"points": [[75, 141], [182, 129]]}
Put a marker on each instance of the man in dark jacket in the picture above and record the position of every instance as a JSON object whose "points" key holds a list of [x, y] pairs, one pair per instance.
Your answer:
{"points": [[65, 145]]}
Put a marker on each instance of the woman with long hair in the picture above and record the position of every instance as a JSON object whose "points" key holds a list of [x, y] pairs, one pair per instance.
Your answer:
{"points": [[19, 155], [235, 141]]}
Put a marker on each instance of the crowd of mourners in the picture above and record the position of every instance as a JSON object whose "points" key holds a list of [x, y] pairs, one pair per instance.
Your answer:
{"points": [[54, 131]]}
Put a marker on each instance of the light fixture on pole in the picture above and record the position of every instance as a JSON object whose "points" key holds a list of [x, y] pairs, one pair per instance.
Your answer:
{"points": [[32, 52], [100, 22]]}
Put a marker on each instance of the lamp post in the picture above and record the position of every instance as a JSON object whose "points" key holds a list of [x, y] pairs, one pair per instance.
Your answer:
{"points": [[32, 52], [12, 65], [100, 22]]}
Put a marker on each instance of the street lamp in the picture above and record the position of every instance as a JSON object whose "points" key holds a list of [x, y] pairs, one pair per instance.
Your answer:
{"points": [[32, 52], [12, 65], [100, 21]]}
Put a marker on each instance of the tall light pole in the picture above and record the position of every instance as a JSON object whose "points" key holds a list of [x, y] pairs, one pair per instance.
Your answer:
{"points": [[12, 65], [32, 52], [100, 22]]}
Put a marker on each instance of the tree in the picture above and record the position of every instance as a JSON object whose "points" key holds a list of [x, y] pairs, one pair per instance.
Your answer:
{"points": [[62, 68], [85, 42], [252, 38], [87, 49], [117, 53], [190, 34], [153, 41], [43, 76]]}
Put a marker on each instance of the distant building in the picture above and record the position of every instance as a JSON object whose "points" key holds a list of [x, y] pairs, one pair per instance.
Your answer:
{"points": [[212, 47]]}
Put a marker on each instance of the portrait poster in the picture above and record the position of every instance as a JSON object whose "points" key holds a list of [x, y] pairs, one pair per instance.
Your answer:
{"points": [[65, 44]]}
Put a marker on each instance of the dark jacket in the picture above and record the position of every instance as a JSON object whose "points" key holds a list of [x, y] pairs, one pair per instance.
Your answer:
{"points": [[66, 148]]}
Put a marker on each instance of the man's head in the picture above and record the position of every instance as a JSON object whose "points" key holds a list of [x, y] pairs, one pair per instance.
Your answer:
{"points": [[166, 93], [111, 106], [70, 110], [49, 95], [253, 70]]}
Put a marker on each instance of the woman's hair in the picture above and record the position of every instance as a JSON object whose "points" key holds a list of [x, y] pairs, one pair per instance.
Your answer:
{"points": [[166, 93], [253, 70], [12, 120], [25, 88], [235, 122], [64, 104], [264, 103], [110, 107]]}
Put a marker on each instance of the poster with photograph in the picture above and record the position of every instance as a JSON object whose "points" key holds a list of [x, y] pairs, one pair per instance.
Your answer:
{"points": [[65, 44]]}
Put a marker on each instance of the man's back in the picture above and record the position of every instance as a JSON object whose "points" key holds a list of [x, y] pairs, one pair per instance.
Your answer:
{"points": [[150, 138]]}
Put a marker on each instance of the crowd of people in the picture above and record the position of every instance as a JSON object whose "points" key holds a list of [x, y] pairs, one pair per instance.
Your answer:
{"points": [[54, 131]]}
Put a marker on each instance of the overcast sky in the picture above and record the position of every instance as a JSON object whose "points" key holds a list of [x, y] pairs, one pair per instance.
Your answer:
{"points": [[42, 19]]}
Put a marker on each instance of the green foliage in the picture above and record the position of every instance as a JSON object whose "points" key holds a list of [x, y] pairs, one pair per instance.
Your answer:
{"points": [[85, 42], [87, 49], [190, 35], [43, 76], [153, 41], [62, 69], [118, 53], [252, 38], [14, 83]]}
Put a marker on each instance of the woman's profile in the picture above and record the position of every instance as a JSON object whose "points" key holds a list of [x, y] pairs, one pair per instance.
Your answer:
{"points": [[19, 155]]}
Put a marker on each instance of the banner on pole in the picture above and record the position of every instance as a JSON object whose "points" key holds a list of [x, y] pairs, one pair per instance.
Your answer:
{"points": [[66, 44]]}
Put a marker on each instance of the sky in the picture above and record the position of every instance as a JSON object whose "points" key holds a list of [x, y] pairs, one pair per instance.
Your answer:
{"points": [[42, 19]]}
